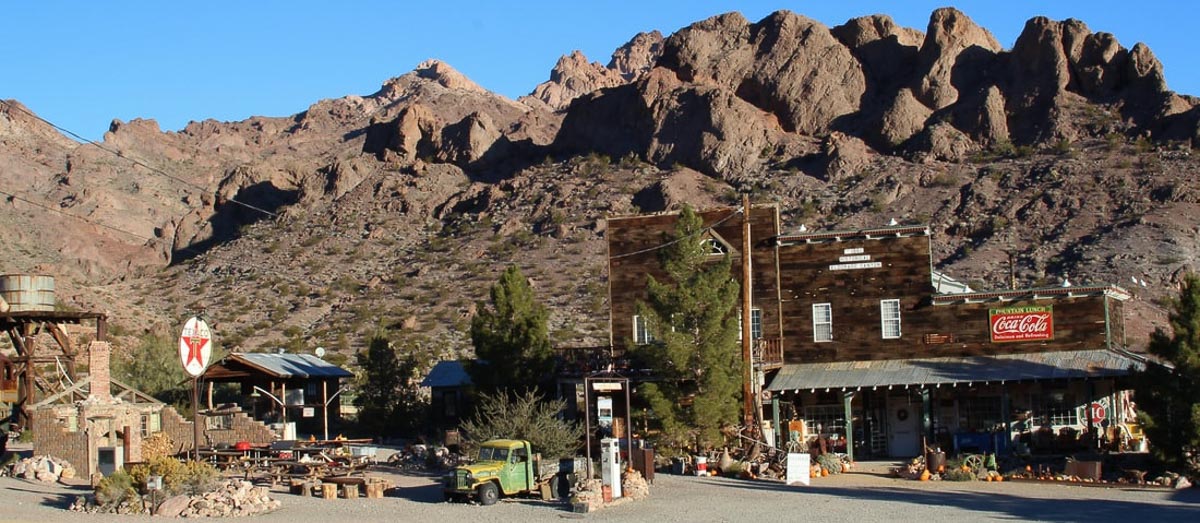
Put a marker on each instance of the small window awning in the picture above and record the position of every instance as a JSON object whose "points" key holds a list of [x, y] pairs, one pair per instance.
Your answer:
{"points": [[1078, 364]]}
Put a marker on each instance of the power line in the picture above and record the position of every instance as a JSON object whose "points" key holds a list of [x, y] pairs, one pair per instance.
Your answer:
{"points": [[677, 240], [120, 154]]}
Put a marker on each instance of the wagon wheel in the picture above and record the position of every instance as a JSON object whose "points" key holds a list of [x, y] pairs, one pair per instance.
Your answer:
{"points": [[974, 462]]}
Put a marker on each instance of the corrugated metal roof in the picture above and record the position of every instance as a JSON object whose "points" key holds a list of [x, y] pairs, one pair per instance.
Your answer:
{"points": [[292, 365], [961, 369], [448, 373]]}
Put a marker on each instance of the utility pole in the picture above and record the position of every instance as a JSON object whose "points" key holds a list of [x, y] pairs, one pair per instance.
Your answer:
{"points": [[748, 414]]}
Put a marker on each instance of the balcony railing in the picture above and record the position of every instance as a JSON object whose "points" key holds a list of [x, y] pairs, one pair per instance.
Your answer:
{"points": [[768, 352]]}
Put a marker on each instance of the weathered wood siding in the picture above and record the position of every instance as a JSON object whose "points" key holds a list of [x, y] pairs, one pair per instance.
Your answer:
{"points": [[854, 295], [927, 330], [628, 273]]}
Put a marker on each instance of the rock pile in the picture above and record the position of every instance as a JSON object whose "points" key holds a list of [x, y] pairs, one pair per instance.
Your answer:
{"points": [[634, 486], [233, 498], [41, 468]]}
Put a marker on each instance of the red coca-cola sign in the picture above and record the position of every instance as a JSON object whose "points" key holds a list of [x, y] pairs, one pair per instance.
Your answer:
{"points": [[1022, 323]]}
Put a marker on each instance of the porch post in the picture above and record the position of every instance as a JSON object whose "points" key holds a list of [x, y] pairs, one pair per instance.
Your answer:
{"points": [[1005, 411], [847, 399], [775, 421], [927, 413], [1091, 398]]}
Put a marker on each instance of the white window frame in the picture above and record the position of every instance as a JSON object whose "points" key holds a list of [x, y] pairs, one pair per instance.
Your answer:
{"points": [[713, 247], [889, 313], [756, 332], [641, 334], [827, 309]]}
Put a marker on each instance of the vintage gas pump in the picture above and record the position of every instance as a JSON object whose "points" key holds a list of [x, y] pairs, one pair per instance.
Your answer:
{"points": [[610, 465]]}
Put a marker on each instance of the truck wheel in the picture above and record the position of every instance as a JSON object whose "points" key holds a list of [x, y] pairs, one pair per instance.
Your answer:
{"points": [[488, 493]]}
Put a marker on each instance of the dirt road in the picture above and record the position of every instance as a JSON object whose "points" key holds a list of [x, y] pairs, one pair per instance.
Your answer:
{"points": [[859, 497]]}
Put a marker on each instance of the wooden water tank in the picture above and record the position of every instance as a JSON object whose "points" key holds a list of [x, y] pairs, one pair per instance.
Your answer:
{"points": [[27, 292]]}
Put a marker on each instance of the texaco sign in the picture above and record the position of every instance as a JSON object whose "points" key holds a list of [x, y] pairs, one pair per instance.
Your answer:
{"points": [[195, 346]]}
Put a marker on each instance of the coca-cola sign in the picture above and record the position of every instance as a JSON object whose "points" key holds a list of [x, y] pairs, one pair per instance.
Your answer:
{"points": [[1022, 323]]}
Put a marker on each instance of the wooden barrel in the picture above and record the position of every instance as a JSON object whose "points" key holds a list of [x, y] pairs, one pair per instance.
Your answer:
{"points": [[27, 292]]}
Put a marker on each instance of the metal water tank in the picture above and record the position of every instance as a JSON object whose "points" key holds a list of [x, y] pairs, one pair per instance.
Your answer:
{"points": [[27, 292]]}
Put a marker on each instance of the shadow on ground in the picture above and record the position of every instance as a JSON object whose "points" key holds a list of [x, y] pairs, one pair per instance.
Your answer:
{"points": [[984, 504]]}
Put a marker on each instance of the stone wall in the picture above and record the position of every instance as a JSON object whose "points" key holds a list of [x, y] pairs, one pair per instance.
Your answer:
{"points": [[51, 438], [241, 428]]}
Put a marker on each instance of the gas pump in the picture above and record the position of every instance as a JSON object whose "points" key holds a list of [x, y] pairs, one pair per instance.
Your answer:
{"points": [[610, 465]]}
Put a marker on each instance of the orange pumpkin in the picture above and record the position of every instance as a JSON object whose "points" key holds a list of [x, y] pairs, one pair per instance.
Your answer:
{"points": [[925, 475], [824, 472]]}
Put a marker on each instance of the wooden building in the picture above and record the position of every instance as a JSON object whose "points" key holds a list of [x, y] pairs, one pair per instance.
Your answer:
{"points": [[293, 392], [858, 339]]}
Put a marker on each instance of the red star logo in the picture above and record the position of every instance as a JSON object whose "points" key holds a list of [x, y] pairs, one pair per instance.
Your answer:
{"points": [[195, 344]]}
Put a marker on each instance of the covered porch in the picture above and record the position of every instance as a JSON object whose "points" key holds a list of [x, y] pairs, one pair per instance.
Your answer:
{"points": [[1042, 402]]}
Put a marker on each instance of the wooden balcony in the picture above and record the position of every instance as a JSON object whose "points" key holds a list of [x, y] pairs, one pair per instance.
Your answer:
{"points": [[768, 353]]}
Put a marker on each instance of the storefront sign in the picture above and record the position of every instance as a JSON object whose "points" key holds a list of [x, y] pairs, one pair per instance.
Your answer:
{"points": [[1022, 323]]}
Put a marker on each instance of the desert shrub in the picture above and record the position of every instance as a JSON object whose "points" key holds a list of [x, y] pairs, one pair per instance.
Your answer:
{"points": [[958, 474], [526, 416], [115, 489], [830, 462], [192, 477]]}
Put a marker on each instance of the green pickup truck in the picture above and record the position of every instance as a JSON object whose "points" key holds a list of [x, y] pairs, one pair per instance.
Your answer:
{"points": [[504, 467]]}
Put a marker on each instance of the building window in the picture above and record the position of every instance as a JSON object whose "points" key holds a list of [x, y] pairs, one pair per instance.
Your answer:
{"points": [[641, 335], [981, 414], [219, 421], [822, 322], [70, 422], [151, 424], [713, 247], [889, 313], [756, 332], [824, 419], [1056, 408]]}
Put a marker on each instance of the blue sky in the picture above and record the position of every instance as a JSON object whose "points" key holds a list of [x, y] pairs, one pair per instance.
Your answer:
{"points": [[81, 64]]}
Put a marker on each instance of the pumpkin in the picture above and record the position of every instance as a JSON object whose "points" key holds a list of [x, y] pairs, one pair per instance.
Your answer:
{"points": [[941, 468], [999, 478], [966, 468], [824, 472], [925, 475]]}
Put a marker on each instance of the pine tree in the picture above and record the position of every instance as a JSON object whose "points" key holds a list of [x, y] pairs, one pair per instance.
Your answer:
{"points": [[1169, 396], [511, 339], [388, 397], [693, 322]]}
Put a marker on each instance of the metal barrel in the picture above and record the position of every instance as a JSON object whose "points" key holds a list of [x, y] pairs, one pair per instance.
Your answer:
{"points": [[27, 292]]}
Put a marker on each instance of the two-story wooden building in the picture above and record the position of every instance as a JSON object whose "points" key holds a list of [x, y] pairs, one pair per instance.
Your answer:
{"points": [[857, 338]]}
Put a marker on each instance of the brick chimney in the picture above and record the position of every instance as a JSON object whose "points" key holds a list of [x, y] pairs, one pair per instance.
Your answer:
{"points": [[98, 363]]}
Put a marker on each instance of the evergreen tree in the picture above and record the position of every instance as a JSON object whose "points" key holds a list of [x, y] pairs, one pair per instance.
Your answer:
{"points": [[693, 321], [1169, 396], [510, 337], [388, 399]]}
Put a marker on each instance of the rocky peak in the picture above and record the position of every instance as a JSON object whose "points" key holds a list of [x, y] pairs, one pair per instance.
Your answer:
{"points": [[638, 55], [445, 75], [951, 34], [574, 75]]}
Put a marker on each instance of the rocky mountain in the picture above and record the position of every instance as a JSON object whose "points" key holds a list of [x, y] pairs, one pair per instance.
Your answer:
{"points": [[397, 210]]}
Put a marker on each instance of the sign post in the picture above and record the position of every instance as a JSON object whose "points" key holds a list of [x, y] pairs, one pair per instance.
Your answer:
{"points": [[195, 349]]}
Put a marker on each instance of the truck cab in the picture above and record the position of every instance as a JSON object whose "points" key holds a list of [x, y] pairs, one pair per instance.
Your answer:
{"points": [[503, 466]]}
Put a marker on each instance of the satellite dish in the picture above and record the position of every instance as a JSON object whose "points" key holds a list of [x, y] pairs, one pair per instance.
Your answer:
{"points": [[320, 352]]}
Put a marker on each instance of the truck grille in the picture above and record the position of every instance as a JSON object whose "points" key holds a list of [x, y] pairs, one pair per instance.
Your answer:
{"points": [[460, 479]]}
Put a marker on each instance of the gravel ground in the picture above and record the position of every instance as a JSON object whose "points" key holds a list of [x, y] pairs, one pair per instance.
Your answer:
{"points": [[865, 496]]}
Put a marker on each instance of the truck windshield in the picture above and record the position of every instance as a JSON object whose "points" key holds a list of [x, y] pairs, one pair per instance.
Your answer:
{"points": [[493, 454]]}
